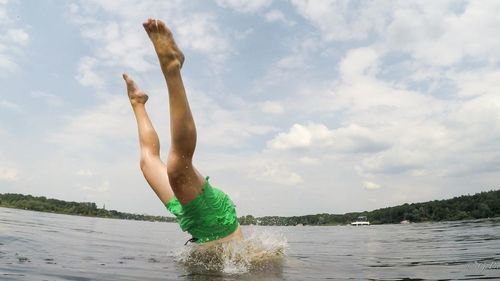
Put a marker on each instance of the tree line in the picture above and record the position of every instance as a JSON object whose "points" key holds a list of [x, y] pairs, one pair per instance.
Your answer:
{"points": [[42, 204], [477, 206]]}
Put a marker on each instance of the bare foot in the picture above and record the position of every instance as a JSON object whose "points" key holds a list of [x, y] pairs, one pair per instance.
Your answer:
{"points": [[171, 57], [135, 94]]}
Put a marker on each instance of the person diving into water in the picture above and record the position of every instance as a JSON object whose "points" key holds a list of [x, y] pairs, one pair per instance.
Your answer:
{"points": [[203, 211]]}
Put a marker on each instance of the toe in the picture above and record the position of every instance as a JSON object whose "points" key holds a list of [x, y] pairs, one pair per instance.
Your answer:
{"points": [[161, 26], [147, 27], [151, 24], [130, 83], [125, 77], [154, 26]]}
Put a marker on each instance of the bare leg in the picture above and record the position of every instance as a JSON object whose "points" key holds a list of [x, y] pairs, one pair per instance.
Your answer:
{"points": [[154, 170], [185, 180]]}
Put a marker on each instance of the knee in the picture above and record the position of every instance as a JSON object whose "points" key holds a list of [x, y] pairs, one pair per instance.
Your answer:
{"points": [[147, 160], [177, 166], [143, 163]]}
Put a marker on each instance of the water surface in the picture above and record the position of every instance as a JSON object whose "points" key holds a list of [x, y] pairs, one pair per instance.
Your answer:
{"points": [[43, 246]]}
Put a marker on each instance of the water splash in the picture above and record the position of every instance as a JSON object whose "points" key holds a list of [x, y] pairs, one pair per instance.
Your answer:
{"points": [[261, 250]]}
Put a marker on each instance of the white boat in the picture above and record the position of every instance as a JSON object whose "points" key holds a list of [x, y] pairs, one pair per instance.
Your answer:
{"points": [[362, 220]]}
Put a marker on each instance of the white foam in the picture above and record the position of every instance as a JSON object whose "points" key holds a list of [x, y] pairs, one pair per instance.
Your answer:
{"points": [[260, 250]]}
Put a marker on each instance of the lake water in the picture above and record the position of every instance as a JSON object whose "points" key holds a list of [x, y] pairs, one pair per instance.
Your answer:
{"points": [[43, 246]]}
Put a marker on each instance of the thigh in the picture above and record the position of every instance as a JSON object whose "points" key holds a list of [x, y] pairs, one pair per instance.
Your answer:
{"points": [[184, 178], [155, 172]]}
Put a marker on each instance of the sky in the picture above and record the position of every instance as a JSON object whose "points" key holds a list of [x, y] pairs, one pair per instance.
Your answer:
{"points": [[301, 106]]}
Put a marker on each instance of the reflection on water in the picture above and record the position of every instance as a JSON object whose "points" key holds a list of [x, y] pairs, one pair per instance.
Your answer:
{"points": [[41, 246]]}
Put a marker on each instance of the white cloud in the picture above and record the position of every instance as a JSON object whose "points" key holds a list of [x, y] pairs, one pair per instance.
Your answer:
{"points": [[476, 83], [86, 73], [50, 99], [368, 98], [13, 37], [3, 11], [244, 6], [440, 34], [359, 62], [84, 172], [8, 174], [396, 161], [110, 121], [301, 136], [278, 16], [430, 32], [292, 66], [418, 134], [9, 105], [100, 188], [371, 185], [309, 161], [272, 171], [351, 139], [222, 127], [118, 43], [272, 107], [355, 138], [7, 63], [344, 20], [201, 33], [124, 43], [401, 132], [18, 36]]}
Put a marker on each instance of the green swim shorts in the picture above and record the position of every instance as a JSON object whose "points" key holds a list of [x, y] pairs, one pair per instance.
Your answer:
{"points": [[210, 216]]}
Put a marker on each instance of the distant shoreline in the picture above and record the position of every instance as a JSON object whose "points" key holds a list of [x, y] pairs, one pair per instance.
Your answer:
{"points": [[85, 216], [87, 209], [477, 206]]}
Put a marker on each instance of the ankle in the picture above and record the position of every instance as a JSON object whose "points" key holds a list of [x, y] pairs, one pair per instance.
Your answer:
{"points": [[171, 69], [137, 105], [171, 66]]}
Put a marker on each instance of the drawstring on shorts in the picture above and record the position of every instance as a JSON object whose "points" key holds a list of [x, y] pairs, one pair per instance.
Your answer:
{"points": [[192, 240]]}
